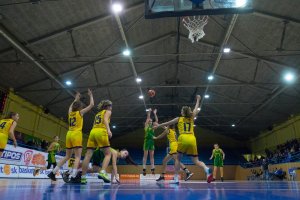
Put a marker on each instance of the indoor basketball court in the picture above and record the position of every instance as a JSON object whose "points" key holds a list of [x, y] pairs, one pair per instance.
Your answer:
{"points": [[149, 99]]}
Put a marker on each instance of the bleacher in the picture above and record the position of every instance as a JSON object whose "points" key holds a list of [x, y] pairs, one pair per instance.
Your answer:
{"points": [[233, 156]]}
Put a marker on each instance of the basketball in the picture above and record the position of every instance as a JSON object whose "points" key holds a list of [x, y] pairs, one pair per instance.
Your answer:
{"points": [[151, 93]]}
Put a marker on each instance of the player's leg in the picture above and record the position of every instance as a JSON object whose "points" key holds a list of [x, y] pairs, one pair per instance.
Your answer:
{"points": [[215, 172], [188, 174], [51, 175], [222, 173], [166, 159], [103, 175], [85, 164], [151, 152], [189, 145], [145, 157], [177, 168]]}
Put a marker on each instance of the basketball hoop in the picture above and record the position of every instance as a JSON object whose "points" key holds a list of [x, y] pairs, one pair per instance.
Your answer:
{"points": [[195, 26]]}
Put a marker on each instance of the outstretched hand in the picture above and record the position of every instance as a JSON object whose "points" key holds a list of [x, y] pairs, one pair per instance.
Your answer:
{"points": [[198, 97], [90, 92], [77, 96], [155, 111]]}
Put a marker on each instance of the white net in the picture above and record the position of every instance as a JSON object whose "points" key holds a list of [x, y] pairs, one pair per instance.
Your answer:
{"points": [[195, 26]]}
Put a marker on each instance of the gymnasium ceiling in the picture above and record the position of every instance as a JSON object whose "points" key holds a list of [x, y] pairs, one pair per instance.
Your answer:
{"points": [[80, 40]]}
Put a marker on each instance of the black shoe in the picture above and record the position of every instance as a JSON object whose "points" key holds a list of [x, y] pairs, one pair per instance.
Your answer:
{"points": [[161, 178], [213, 179], [51, 175], [65, 176], [144, 172], [188, 176], [222, 179], [75, 180], [153, 171]]}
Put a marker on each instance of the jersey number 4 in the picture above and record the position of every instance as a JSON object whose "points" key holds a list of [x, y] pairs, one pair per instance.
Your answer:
{"points": [[2, 125], [72, 121]]}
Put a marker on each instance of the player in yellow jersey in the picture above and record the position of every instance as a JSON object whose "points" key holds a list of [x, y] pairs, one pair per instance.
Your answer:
{"points": [[74, 135], [99, 138], [218, 155], [187, 143], [7, 128], [171, 135]]}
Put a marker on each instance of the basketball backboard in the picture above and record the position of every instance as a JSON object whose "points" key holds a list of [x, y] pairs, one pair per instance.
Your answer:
{"points": [[177, 8]]}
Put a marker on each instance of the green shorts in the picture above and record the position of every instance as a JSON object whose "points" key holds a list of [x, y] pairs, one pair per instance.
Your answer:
{"points": [[149, 145], [218, 162], [51, 158], [97, 158]]}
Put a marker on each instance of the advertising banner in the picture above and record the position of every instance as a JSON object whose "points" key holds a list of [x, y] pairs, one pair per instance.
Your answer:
{"points": [[25, 157]]}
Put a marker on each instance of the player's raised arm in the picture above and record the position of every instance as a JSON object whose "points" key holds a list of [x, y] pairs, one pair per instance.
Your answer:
{"points": [[77, 98], [196, 111], [148, 117], [90, 106], [155, 115]]}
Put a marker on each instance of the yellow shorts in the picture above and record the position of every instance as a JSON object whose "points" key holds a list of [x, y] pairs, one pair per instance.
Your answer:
{"points": [[98, 138], [173, 148], [3, 141], [74, 139], [187, 145]]}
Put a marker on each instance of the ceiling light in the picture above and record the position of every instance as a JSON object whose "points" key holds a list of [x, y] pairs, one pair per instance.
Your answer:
{"points": [[240, 3], [126, 52], [141, 97], [210, 77], [68, 83], [117, 7], [138, 80], [289, 77], [206, 96], [226, 50]]}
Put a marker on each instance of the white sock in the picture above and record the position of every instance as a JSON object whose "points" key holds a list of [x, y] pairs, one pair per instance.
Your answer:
{"points": [[206, 170], [55, 170], [74, 173], [176, 177], [103, 172], [152, 166], [144, 166]]}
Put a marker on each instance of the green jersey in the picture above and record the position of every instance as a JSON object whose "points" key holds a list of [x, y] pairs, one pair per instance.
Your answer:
{"points": [[218, 157], [51, 154], [148, 140]]}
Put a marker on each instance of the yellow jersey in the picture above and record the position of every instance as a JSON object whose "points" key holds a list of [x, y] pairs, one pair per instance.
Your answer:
{"points": [[99, 120], [75, 121], [185, 125], [5, 125], [172, 135]]}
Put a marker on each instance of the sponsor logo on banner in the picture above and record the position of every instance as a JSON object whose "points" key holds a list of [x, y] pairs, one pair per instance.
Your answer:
{"points": [[8, 170], [129, 177], [27, 156], [11, 155], [38, 159]]}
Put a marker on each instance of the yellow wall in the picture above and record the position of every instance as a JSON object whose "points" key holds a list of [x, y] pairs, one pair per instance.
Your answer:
{"points": [[205, 138], [33, 121], [242, 174], [280, 134]]}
